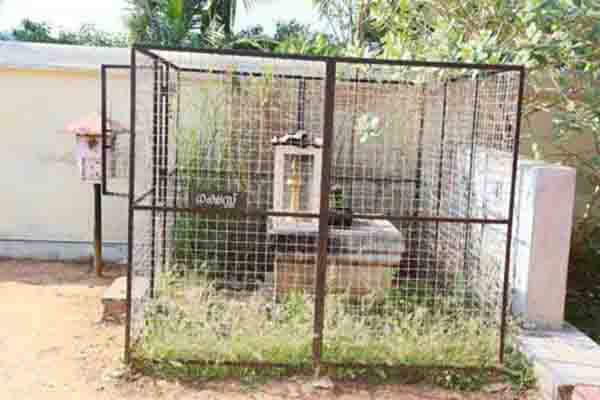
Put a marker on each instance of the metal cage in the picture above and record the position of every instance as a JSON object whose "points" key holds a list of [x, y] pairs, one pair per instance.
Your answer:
{"points": [[296, 210]]}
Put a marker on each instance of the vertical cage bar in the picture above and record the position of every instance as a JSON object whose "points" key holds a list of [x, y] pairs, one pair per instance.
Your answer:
{"points": [[98, 262], [159, 124], [132, 78], [350, 189], [419, 179], [103, 124], [165, 158], [474, 129], [328, 125], [513, 184], [154, 177], [176, 172], [301, 102], [441, 168]]}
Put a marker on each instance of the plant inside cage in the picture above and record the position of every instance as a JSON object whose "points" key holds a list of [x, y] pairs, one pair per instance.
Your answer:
{"points": [[207, 163]]}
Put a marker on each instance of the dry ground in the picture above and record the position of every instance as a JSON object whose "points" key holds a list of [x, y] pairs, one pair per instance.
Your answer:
{"points": [[53, 346]]}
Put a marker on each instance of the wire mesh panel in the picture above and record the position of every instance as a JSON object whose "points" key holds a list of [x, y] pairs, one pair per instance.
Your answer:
{"points": [[142, 227], [407, 141], [292, 210], [219, 219]]}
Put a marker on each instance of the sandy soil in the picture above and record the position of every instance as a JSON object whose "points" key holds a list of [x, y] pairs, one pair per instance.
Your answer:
{"points": [[53, 346]]}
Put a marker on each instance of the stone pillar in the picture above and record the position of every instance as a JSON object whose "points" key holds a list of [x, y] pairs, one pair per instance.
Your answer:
{"points": [[541, 244]]}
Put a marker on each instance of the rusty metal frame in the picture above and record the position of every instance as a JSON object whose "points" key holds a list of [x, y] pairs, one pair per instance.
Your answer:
{"points": [[323, 215], [165, 157], [328, 124], [151, 50], [511, 212], [130, 227], [152, 192]]}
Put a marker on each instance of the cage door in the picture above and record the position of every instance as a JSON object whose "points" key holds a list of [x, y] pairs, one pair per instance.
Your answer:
{"points": [[115, 121]]}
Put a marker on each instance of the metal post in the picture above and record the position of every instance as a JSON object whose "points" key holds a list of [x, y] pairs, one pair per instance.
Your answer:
{"points": [[132, 78], [103, 124], [328, 122], [164, 162], [511, 206], [155, 135], [176, 178], [98, 264]]}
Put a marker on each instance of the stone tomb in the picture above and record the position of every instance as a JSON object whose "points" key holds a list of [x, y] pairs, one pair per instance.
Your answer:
{"points": [[361, 257]]}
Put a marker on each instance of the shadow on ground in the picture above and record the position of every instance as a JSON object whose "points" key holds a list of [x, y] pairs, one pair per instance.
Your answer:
{"points": [[56, 273]]}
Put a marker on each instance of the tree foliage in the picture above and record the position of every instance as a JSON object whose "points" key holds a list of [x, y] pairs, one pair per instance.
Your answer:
{"points": [[31, 31], [351, 26], [225, 11], [315, 44], [88, 34], [295, 37], [346, 18], [166, 22], [559, 43], [207, 23], [197, 23], [292, 28]]}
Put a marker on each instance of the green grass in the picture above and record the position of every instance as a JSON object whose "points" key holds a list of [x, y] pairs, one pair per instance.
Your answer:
{"points": [[516, 374], [191, 320]]}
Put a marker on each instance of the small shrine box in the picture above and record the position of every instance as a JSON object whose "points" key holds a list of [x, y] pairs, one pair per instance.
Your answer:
{"points": [[88, 147], [304, 165]]}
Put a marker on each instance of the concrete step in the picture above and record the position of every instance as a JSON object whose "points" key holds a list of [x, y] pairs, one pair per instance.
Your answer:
{"points": [[563, 358], [114, 301]]}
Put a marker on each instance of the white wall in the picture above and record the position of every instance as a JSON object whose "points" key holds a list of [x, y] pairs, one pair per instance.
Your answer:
{"points": [[41, 196]]}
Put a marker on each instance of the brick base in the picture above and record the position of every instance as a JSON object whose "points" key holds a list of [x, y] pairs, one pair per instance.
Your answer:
{"points": [[586, 392], [579, 392], [297, 274], [114, 311]]}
